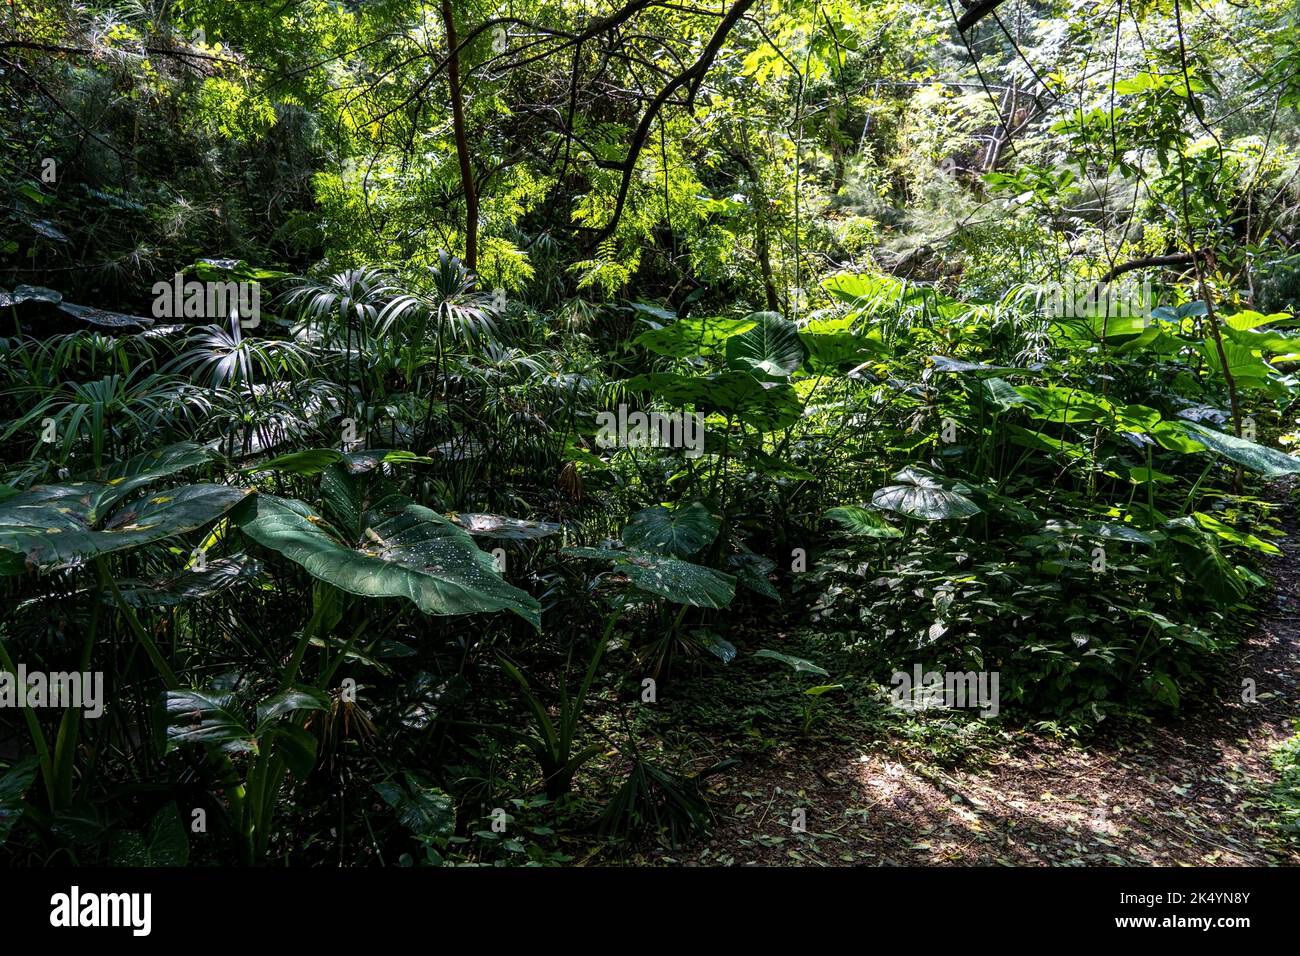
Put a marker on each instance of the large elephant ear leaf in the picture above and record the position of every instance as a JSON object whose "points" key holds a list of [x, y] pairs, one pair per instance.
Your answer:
{"points": [[828, 351], [343, 500], [920, 495], [681, 532], [943, 363], [103, 318], [1060, 405], [55, 523], [679, 581], [1214, 576], [157, 463], [800, 665], [29, 293], [360, 462], [1259, 458], [752, 570], [429, 813], [296, 745], [172, 511], [308, 461], [726, 392], [764, 406], [864, 290], [693, 336], [165, 843], [191, 584], [287, 701], [503, 528], [198, 717], [776, 408], [113, 483], [770, 350], [312, 461], [406, 551]]}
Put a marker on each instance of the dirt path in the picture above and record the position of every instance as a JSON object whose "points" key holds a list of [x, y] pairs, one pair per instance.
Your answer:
{"points": [[1178, 793]]}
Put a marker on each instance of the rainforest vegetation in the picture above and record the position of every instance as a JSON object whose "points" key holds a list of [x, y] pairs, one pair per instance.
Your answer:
{"points": [[559, 432]]}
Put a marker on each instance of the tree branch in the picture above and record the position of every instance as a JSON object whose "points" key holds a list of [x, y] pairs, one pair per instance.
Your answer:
{"points": [[691, 78], [1175, 259], [976, 12]]}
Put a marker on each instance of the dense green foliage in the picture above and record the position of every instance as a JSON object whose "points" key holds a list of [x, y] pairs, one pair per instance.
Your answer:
{"points": [[368, 571]]}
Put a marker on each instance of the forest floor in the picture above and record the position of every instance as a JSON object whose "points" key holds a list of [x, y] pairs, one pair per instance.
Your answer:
{"points": [[1187, 792]]}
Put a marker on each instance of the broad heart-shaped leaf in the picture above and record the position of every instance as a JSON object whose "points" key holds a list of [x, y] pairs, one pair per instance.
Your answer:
{"points": [[1060, 405], [1157, 341], [735, 394], [504, 529], [776, 408], [158, 463], [919, 495], [681, 532], [865, 290], [716, 644], [406, 551], [1274, 342], [770, 350], [1248, 369], [1226, 532], [164, 843], [61, 523], [309, 461], [421, 807], [862, 522], [677, 580], [360, 462], [1002, 393], [196, 717], [116, 481], [1197, 554], [798, 663], [1116, 531], [199, 717], [190, 585], [29, 293], [286, 702], [774, 466], [943, 363], [828, 351], [1247, 319], [725, 392], [752, 570], [47, 229], [1267, 461], [1113, 329], [704, 335], [103, 318], [872, 293], [343, 501], [13, 786]]}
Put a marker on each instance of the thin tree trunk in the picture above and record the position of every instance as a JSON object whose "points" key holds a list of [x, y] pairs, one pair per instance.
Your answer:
{"points": [[836, 149], [462, 144], [762, 245]]}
